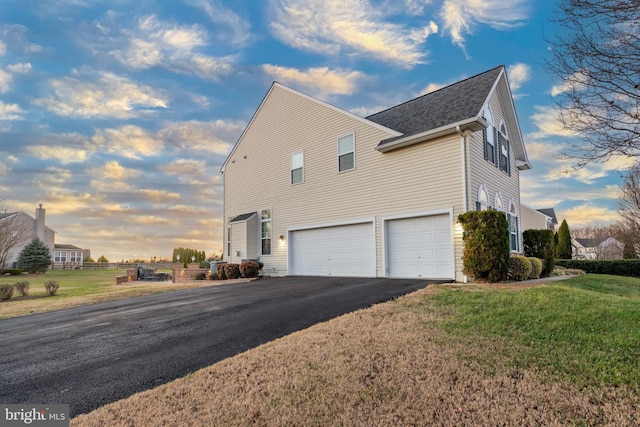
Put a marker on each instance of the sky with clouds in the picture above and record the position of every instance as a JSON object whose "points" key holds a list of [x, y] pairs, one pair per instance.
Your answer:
{"points": [[117, 115]]}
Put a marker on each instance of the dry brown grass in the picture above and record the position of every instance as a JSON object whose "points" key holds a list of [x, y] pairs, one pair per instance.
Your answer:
{"points": [[387, 365]]}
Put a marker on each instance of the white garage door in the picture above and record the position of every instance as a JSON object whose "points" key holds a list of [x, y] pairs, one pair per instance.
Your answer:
{"points": [[347, 250], [420, 247]]}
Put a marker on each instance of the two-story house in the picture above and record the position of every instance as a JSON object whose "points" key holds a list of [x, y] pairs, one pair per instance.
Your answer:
{"points": [[311, 189]]}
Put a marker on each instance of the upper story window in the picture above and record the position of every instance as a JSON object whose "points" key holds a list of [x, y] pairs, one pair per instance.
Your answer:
{"points": [[489, 135], [346, 153], [297, 167], [265, 227], [514, 228], [503, 144]]}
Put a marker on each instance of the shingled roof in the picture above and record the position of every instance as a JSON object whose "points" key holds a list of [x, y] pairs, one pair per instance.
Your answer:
{"points": [[451, 104]]}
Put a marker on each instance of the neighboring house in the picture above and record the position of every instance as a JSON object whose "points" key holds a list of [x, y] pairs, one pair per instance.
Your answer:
{"points": [[311, 189], [538, 219], [68, 257], [597, 248], [29, 228]]}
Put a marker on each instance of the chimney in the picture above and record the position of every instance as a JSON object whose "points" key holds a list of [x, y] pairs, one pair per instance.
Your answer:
{"points": [[40, 223]]}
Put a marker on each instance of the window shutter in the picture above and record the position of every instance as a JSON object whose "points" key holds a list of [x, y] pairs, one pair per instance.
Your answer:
{"points": [[484, 142], [496, 148], [508, 157], [478, 206]]}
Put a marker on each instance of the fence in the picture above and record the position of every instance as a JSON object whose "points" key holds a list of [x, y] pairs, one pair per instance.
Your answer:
{"points": [[123, 265]]}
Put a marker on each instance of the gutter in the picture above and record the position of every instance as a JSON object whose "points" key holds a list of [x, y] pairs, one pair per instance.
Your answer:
{"points": [[472, 124]]}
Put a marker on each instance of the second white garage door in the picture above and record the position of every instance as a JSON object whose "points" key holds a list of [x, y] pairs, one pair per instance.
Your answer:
{"points": [[420, 247], [346, 250]]}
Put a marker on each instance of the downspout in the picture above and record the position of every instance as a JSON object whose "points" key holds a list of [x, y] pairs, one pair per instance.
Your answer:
{"points": [[463, 144]]}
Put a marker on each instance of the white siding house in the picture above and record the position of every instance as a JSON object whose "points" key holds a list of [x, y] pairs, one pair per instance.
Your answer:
{"points": [[310, 189]]}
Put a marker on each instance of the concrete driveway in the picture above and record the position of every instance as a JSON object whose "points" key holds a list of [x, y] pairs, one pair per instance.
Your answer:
{"points": [[93, 355]]}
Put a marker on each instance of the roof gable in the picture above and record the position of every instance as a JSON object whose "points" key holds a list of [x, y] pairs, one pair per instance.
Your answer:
{"points": [[277, 86], [454, 103]]}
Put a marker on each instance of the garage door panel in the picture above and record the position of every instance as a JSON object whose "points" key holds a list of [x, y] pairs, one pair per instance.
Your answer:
{"points": [[420, 247], [347, 250]]}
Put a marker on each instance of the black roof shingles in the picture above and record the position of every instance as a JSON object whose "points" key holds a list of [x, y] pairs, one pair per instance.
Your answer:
{"points": [[450, 104]]}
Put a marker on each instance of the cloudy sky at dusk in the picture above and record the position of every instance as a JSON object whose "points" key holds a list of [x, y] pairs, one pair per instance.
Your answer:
{"points": [[116, 115]]}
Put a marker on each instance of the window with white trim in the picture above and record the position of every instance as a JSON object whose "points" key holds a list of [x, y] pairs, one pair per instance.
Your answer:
{"points": [[346, 153], [483, 198], [297, 167], [498, 202], [489, 136], [503, 144], [265, 227], [514, 232]]}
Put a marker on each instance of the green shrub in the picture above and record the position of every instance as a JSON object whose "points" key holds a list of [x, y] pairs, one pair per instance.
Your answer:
{"points": [[486, 245], [201, 276], [14, 271], [6, 291], [249, 269], [220, 272], [519, 268], [232, 271], [536, 267], [539, 244], [51, 286], [617, 267], [23, 288]]}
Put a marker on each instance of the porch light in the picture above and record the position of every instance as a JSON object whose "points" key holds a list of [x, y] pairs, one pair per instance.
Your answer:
{"points": [[281, 238]]}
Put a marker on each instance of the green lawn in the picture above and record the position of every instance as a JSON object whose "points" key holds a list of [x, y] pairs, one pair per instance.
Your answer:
{"points": [[585, 330]]}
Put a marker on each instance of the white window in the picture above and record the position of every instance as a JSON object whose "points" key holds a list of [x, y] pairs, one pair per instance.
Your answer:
{"points": [[483, 198], [265, 226], [62, 256], [503, 143], [56, 256], [498, 202], [489, 138], [346, 153], [73, 256], [297, 167], [514, 232]]}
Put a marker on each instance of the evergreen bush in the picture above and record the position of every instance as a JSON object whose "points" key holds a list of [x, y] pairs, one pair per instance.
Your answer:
{"points": [[486, 245], [220, 272], [35, 257], [519, 268], [536, 268], [539, 244]]}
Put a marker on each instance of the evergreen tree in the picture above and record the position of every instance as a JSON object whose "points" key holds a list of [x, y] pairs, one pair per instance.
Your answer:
{"points": [[103, 259], [35, 257], [563, 248], [629, 252]]}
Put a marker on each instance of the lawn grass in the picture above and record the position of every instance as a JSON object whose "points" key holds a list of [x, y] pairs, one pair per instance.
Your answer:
{"points": [[445, 355], [78, 287], [584, 330]]}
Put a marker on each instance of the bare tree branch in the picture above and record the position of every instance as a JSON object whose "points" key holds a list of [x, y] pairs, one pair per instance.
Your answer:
{"points": [[597, 57]]}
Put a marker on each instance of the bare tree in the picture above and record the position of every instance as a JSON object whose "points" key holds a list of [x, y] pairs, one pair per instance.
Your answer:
{"points": [[629, 206], [13, 232], [596, 54]]}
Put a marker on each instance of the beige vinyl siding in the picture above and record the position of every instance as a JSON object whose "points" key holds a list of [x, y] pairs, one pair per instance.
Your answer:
{"points": [[420, 178], [483, 172]]}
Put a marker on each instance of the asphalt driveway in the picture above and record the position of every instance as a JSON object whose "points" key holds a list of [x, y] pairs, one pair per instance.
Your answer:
{"points": [[93, 355]]}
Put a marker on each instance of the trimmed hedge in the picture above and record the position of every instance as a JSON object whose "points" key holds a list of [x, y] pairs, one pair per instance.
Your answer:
{"points": [[220, 272], [519, 268], [486, 245], [6, 291], [539, 244], [232, 271], [536, 268], [249, 269], [616, 267]]}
